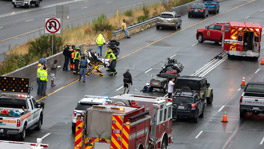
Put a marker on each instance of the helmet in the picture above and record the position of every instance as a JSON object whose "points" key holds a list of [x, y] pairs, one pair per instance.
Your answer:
{"points": [[39, 65], [78, 48]]}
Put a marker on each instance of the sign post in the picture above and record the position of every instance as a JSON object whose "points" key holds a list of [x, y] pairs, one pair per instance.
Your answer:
{"points": [[52, 26]]}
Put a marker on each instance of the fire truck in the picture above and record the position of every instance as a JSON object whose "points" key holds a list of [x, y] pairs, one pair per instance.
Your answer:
{"points": [[242, 39], [131, 122]]}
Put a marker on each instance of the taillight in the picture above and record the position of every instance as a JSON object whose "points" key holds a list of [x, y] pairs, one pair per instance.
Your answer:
{"points": [[18, 123], [201, 10], [193, 105], [190, 9], [198, 92], [74, 113], [241, 99]]}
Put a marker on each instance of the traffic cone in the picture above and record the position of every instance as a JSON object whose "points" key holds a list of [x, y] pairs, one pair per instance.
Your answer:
{"points": [[262, 60], [243, 83], [225, 117]]}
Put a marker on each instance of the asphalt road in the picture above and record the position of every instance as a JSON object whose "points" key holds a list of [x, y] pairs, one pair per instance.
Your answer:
{"points": [[144, 54]]}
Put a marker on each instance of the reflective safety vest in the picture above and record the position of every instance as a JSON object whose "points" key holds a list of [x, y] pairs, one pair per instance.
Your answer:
{"points": [[43, 75], [38, 72], [106, 52], [72, 53], [113, 56], [77, 55], [100, 40]]}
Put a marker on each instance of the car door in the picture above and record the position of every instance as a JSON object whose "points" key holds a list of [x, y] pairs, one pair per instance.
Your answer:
{"points": [[208, 32], [198, 103], [34, 112], [217, 32]]}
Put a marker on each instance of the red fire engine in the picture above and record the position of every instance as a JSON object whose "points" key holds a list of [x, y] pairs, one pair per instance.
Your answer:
{"points": [[243, 39], [132, 122]]}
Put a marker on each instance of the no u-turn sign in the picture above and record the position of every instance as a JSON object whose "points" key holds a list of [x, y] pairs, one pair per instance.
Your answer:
{"points": [[52, 26]]}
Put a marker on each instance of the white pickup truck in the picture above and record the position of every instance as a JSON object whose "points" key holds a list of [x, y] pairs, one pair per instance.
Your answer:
{"points": [[19, 112], [252, 99]]}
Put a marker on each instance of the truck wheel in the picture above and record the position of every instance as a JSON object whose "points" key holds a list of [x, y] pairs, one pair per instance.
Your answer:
{"points": [[200, 38], [22, 135], [73, 129], [209, 100], [37, 4], [15, 6], [40, 122], [242, 114], [164, 144]]}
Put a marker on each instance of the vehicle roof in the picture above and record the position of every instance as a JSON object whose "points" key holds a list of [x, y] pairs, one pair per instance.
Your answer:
{"points": [[141, 98], [113, 108], [200, 3], [244, 24], [190, 78], [93, 99], [185, 94]]}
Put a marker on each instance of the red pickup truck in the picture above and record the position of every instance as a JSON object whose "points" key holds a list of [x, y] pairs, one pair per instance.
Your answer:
{"points": [[212, 32]]}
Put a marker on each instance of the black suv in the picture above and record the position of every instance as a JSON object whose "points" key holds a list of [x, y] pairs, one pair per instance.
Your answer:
{"points": [[187, 104], [195, 84]]}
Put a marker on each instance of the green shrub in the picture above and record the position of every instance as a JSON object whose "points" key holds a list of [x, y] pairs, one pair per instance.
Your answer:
{"points": [[142, 18], [43, 45], [146, 11], [101, 24], [128, 13], [13, 62]]}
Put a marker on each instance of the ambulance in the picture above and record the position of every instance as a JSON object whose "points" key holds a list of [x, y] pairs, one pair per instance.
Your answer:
{"points": [[242, 39]]}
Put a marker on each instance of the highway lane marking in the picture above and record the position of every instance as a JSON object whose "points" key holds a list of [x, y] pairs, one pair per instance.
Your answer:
{"points": [[262, 10], [204, 67], [230, 138], [1, 27], [199, 134], [194, 44], [239, 89], [109, 2], [247, 17], [139, 49], [173, 55], [213, 67], [261, 142], [221, 108], [29, 20], [45, 136], [84, 7], [257, 71], [119, 88], [148, 70]]}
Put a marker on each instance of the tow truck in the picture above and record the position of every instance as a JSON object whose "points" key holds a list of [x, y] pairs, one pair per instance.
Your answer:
{"points": [[18, 110], [131, 122]]}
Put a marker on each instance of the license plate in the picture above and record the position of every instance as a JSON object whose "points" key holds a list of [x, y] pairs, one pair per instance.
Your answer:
{"points": [[195, 10], [255, 108], [181, 107], [1, 130], [165, 21]]}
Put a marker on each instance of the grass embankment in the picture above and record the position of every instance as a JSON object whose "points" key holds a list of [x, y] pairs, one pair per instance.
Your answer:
{"points": [[83, 34]]}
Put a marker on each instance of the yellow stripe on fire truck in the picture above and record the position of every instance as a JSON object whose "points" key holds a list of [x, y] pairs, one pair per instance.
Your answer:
{"points": [[78, 134], [117, 122]]}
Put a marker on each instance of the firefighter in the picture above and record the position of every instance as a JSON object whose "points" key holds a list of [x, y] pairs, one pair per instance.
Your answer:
{"points": [[72, 51], [108, 50], [100, 41], [77, 59], [112, 58]]}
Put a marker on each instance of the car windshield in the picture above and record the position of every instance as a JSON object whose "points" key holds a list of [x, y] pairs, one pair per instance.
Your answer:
{"points": [[166, 16], [182, 99], [259, 88], [12, 103], [84, 106], [197, 6], [194, 85]]}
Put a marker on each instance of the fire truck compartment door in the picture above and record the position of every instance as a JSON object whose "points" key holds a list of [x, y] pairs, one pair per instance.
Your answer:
{"points": [[227, 40], [99, 145], [99, 124]]}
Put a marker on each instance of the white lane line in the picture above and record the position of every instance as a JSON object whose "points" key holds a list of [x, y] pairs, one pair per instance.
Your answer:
{"points": [[84, 7], [1, 27], [247, 17], [148, 70], [195, 44], [199, 134], [173, 55], [262, 141], [204, 67], [262, 10], [119, 88], [239, 89], [212, 67], [221, 108], [109, 2], [29, 20], [45, 135], [257, 71]]}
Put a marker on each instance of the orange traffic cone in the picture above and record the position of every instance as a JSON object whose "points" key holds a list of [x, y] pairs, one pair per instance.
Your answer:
{"points": [[225, 117], [243, 83], [262, 60]]}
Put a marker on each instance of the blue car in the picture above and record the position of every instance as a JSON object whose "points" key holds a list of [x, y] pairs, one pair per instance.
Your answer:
{"points": [[213, 5]]}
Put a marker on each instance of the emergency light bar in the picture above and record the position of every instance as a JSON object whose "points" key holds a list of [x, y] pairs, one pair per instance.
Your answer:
{"points": [[13, 84], [14, 95]]}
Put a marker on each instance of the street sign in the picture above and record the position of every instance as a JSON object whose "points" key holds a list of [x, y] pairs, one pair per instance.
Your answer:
{"points": [[52, 25]]}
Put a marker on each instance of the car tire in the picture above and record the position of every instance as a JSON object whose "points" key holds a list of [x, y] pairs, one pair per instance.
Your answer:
{"points": [[163, 144], [73, 129], [176, 27], [200, 38], [209, 100], [242, 114], [189, 16], [255, 58], [218, 10], [15, 6], [40, 122], [157, 27], [22, 135], [37, 4], [179, 27]]}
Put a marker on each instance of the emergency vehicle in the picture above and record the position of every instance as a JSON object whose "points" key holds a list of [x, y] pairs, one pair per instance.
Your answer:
{"points": [[23, 145], [133, 122], [18, 110], [243, 39]]}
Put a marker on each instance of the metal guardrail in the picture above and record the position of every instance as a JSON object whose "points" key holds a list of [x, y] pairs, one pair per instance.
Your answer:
{"points": [[146, 22]]}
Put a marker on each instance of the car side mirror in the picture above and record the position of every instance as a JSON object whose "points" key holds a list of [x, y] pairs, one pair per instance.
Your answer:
{"points": [[208, 84], [40, 105], [206, 27]]}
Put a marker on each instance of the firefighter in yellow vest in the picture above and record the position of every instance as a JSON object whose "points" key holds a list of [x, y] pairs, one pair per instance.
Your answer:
{"points": [[72, 51], [108, 50], [100, 41], [43, 80], [112, 58], [77, 59]]}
